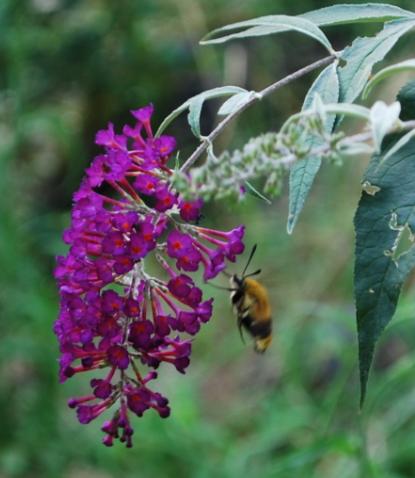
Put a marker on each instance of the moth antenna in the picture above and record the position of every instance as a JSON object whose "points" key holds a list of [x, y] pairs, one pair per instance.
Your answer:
{"points": [[254, 273], [249, 260], [226, 274], [220, 287]]}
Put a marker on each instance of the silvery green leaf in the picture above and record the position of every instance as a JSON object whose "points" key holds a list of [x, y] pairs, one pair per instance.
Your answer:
{"points": [[364, 53], [333, 15], [278, 23], [256, 193], [363, 13], [348, 109], [382, 120], [303, 172], [407, 65], [355, 149], [235, 102], [193, 118], [205, 95]]}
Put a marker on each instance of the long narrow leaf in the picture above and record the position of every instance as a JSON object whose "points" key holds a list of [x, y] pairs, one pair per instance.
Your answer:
{"points": [[364, 53], [193, 118], [235, 102], [303, 172], [288, 23], [333, 15], [407, 65], [205, 95], [364, 13], [348, 109]]}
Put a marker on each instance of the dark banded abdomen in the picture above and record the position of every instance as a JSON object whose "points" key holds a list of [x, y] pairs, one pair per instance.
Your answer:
{"points": [[259, 330]]}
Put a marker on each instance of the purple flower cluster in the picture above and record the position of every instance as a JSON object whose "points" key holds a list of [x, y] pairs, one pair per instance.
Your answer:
{"points": [[114, 315]]}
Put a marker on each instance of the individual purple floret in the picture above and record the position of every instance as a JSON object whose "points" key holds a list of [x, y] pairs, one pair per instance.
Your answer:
{"points": [[115, 318]]}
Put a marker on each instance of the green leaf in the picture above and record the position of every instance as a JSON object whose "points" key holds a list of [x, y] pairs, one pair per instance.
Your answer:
{"points": [[385, 213], [348, 109], [303, 172], [365, 52], [235, 102], [407, 65], [195, 105], [364, 13], [193, 118], [252, 189], [279, 23], [334, 15]]}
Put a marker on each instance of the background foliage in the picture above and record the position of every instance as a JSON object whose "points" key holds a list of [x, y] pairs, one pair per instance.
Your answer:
{"points": [[68, 67]]}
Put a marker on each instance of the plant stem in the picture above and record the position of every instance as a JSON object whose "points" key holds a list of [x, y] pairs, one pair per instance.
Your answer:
{"points": [[256, 97]]}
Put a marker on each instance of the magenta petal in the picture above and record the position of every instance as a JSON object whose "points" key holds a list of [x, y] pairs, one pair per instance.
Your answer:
{"points": [[118, 357], [178, 244], [165, 145], [190, 210], [143, 114], [146, 184]]}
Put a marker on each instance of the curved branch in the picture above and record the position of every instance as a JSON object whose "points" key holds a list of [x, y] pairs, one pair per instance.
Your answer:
{"points": [[258, 96]]}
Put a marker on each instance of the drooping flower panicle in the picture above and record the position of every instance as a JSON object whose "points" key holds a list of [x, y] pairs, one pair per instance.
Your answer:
{"points": [[114, 315]]}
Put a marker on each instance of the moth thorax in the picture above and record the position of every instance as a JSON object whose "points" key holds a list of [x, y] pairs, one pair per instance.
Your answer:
{"points": [[235, 282]]}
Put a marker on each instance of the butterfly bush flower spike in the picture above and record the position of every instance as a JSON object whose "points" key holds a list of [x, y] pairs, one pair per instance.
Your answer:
{"points": [[116, 320]]}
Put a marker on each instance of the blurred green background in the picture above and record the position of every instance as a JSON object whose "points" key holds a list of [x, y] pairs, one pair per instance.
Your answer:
{"points": [[67, 67]]}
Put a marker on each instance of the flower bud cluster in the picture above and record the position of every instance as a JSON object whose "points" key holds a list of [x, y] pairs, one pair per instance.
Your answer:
{"points": [[115, 318], [264, 159], [226, 176]]}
